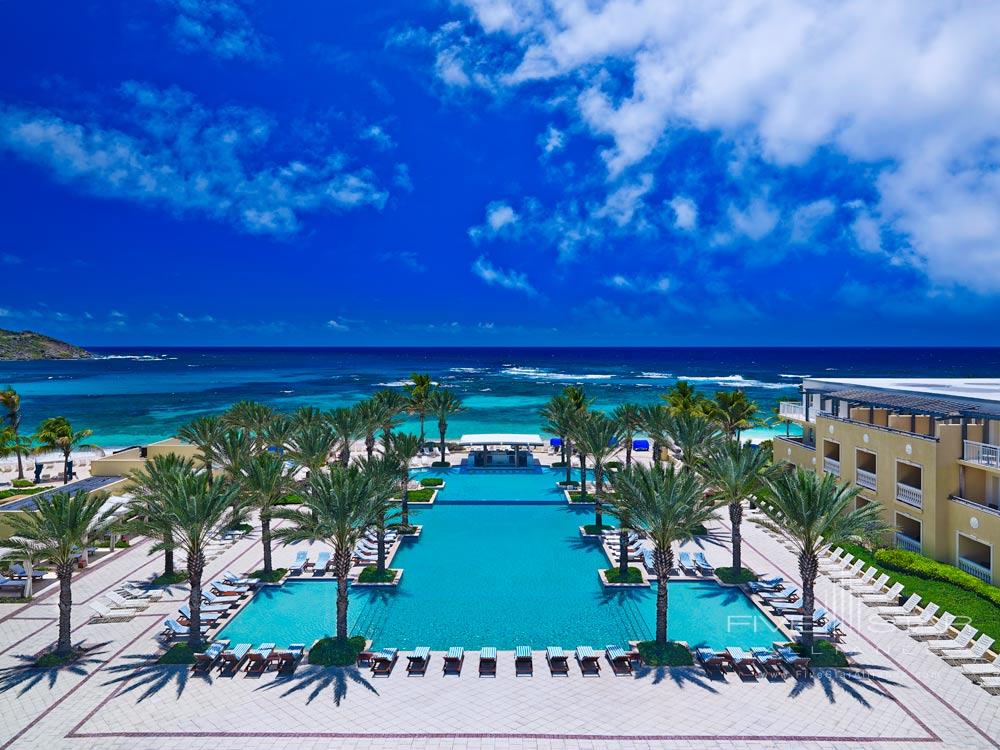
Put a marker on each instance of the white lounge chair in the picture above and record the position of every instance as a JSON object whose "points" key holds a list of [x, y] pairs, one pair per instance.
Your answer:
{"points": [[960, 641], [973, 653], [829, 566], [938, 628], [909, 621], [899, 611], [864, 580], [875, 588], [884, 597], [851, 571], [103, 613], [300, 562], [983, 669], [120, 602]]}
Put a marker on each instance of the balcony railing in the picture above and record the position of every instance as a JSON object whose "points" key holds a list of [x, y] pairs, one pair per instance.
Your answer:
{"points": [[975, 506], [910, 495], [981, 453], [791, 410], [907, 542], [831, 466], [974, 568], [866, 479]]}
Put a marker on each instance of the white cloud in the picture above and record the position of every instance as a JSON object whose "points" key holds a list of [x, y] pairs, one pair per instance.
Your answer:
{"points": [[622, 205], [501, 218], [756, 221], [336, 325], [685, 212], [807, 219], [552, 140], [406, 258], [219, 27], [867, 233], [188, 319], [168, 149], [495, 276], [11, 260], [640, 284], [4, 312], [401, 177], [618, 282], [377, 135], [908, 90]]}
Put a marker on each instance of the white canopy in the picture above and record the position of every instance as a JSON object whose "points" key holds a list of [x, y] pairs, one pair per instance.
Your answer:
{"points": [[501, 438]]}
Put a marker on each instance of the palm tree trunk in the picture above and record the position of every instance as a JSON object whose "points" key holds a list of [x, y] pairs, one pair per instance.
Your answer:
{"points": [[623, 554], [442, 428], [404, 516], [65, 644], [370, 445], [195, 568], [583, 476], [663, 565], [568, 459], [66, 456], [265, 539], [386, 440], [735, 520], [422, 416], [343, 567], [628, 454], [380, 534], [208, 470], [20, 467], [168, 561], [656, 453], [598, 506], [808, 566]]}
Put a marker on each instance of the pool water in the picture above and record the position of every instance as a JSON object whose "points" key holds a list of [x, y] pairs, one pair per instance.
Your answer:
{"points": [[500, 484], [501, 574]]}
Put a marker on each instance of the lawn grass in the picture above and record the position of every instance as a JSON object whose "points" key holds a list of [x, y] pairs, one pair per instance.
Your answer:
{"points": [[422, 495], [4, 494], [593, 528], [105, 543], [178, 576], [671, 654], [431, 482], [441, 465], [727, 575], [823, 655], [371, 575], [333, 652], [982, 614], [179, 653], [273, 577], [634, 575]]}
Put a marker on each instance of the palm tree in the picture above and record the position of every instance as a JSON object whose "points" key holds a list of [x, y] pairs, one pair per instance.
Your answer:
{"points": [[196, 511], [559, 415], [812, 512], [733, 412], [266, 486], [252, 418], [597, 437], [628, 418], [311, 446], [234, 449], [205, 433], [390, 405], [405, 447], [444, 404], [418, 392], [10, 402], [382, 473], [12, 444], [150, 485], [57, 434], [368, 423], [694, 435], [29, 554], [337, 509], [278, 432], [307, 416], [656, 422], [684, 399], [737, 472], [345, 423], [62, 525], [668, 505]]}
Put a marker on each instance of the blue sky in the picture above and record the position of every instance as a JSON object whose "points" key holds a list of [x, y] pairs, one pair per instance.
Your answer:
{"points": [[500, 172]]}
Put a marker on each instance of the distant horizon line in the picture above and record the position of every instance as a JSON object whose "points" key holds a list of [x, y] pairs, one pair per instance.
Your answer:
{"points": [[532, 346]]}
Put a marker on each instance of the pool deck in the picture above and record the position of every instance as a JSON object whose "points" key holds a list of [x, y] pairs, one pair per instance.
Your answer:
{"points": [[902, 696]]}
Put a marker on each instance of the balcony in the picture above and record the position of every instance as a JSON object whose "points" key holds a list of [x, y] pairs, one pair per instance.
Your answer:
{"points": [[983, 454], [831, 466], [973, 568], [791, 410], [907, 542], [866, 479], [975, 505], [910, 495]]}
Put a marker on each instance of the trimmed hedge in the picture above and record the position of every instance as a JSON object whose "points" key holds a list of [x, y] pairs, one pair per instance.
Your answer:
{"points": [[420, 496], [22, 483], [431, 482], [905, 561]]}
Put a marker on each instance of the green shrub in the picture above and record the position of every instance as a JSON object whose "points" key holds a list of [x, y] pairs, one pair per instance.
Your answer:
{"points": [[726, 575], [613, 465], [273, 577], [559, 465], [30, 490], [243, 527], [441, 464], [178, 576], [420, 496], [823, 655], [22, 483], [905, 561], [671, 654], [614, 575], [593, 528], [179, 653], [371, 575], [51, 659], [431, 482], [333, 652]]}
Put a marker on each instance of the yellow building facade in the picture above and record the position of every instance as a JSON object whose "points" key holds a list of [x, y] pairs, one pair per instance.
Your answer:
{"points": [[928, 450]]}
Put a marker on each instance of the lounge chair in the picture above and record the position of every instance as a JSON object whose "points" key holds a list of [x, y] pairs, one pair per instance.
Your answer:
{"points": [[786, 608], [10, 583], [702, 564], [523, 663], [785, 594], [818, 616], [875, 588], [322, 562], [488, 662], [589, 661], [133, 591], [454, 660], [990, 683], [214, 600], [284, 660], [223, 589], [938, 628], [831, 630], [709, 659], [866, 578], [231, 659], [827, 567], [104, 613], [300, 563], [557, 660], [851, 571], [792, 661], [686, 563], [767, 660], [173, 628], [972, 653], [258, 658], [234, 580], [18, 571], [741, 661], [886, 597], [384, 661], [416, 663], [910, 621], [960, 641], [649, 559], [894, 610], [120, 602], [833, 557], [207, 617], [765, 584], [621, 663], [204, 661], [983, 669]]}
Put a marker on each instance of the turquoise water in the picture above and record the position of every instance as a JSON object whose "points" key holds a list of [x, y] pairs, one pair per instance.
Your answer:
{"points": [[502, 574], [493, 484]]}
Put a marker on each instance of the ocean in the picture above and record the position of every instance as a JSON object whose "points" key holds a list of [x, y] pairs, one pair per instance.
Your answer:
{"points": [[138, 395]]}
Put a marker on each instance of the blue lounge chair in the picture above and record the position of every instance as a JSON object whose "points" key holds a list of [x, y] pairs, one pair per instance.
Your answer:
{"points": [[557, 660], [18, 571], [787, 608], [523, 663], [300, 562], [488, 661], [794, 663], [788, 592], [640, 445], [204, 661], [741, 661], [767, 660], [417, 661], [231, 659], [10, 583], [285, 660], [224, 589], [173, 628], [818, 616], [259, 658], [384, 661], [454, 660], [214, 599], [685, 561], [702, 564], [234, 580], [621, 662], [589, 661], [830, 630], [207, 617], [322, 562], [709, 659], [766, 584]]}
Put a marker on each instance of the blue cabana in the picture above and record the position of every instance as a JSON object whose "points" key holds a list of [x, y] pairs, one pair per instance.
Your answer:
{"points": [[640, 445], [555, 442]]}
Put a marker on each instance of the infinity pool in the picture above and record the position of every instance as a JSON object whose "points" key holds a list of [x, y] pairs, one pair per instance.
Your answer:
{"points": [[501, 484], [501, 574]]}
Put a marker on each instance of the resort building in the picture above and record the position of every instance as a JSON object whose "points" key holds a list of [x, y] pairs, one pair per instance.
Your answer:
{"points": [[927, 449]]}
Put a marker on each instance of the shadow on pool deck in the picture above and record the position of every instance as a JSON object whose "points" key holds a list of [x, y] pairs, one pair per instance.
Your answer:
{"points": [[26, 675], [318, 679]]}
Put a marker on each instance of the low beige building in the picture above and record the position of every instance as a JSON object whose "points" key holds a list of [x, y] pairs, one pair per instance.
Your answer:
{"points": [[927, 449]]}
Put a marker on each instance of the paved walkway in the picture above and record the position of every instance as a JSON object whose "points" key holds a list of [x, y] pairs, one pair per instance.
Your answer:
{"points": [[118, 698]]}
